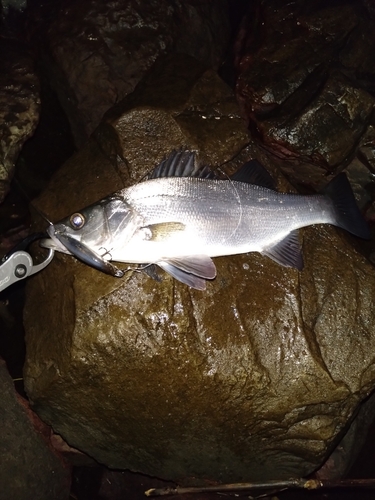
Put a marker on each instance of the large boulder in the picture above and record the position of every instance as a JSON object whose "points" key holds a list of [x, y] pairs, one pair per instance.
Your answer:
{"points": [[19, 106], [97, 52], [255, 378], [29, 466], [305, 79]]}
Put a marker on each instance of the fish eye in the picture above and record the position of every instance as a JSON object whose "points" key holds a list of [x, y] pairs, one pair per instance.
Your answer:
{"points": [[77, 221]]}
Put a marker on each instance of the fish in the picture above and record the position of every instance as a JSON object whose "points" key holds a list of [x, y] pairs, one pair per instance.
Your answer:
{"points": [[183, 215]]}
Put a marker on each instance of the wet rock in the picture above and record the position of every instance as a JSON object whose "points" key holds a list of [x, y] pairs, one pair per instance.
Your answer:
{"points": [[14, 225], [29, 466], [347, 451], [99, 51], [19, 106], [366, 149], [179, 103], [360, 177], [305, 79], [255, 378]]}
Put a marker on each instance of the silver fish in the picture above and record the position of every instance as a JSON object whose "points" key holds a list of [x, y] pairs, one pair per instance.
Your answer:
{"points": [[181, 216]]}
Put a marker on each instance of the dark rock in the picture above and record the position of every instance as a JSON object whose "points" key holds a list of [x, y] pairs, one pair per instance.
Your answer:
{"points": [[14, 226], [347, 451], [306, 78], [366, 149], [116, 485], [29, 466], [256, 378], [179, 103], [99, 51], [19, 106]]}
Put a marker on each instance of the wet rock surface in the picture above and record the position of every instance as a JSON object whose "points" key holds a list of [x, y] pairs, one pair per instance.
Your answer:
{"points": [[99, 51], [256, 378], [29, 467], [19, 106], [345, 454], [306, 79]]}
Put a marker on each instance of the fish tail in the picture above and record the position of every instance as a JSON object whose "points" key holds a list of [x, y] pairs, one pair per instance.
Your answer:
{"points": [[348, 215]]}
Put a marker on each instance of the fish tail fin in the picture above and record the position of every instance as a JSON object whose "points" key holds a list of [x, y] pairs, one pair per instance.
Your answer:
{"points": [[348, 215]]}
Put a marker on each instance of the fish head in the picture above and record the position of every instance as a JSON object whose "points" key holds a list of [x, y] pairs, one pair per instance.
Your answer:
{"points": [[87, 227], [91, 233]]}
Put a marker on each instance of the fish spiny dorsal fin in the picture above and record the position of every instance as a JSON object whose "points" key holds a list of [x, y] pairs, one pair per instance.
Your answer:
{"points": [[252, 172], [182, 163]]}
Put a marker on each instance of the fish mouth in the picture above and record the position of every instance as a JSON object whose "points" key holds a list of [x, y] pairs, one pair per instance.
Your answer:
{"points": [[54, 244], [66, 243]]}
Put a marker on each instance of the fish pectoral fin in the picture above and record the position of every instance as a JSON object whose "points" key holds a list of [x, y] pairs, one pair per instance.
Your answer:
{"points": [[163, 230], [287, 251], [192, 270]]}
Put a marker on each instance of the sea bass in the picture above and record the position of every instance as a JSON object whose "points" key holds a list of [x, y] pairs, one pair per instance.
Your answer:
{"points": [[181, 216]]}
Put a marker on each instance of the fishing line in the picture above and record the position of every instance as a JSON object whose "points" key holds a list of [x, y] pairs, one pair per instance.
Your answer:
{"points": [[137, 269], [27, 197]]}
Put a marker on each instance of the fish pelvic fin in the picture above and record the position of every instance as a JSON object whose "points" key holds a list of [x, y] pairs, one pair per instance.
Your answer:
{"points": [[287, 251], [348, 215], [186, 278], [152, 271], [193, 270]]}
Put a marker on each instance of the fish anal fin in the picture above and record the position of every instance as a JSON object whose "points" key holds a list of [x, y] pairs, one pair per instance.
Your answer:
{"points": [[163, 230], [252, 172], [287, 251]]}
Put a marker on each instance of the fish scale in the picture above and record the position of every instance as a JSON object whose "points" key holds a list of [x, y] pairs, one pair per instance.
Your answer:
{"points": [[228, 214]]}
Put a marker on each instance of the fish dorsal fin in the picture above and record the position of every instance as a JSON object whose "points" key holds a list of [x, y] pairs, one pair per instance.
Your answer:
{"points": [[287, 251], [252, 172], [182, 163], [192, 270], [163, 230]]}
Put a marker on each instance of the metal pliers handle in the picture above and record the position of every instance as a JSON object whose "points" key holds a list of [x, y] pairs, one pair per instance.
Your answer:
{"points": [[18, 264]]}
